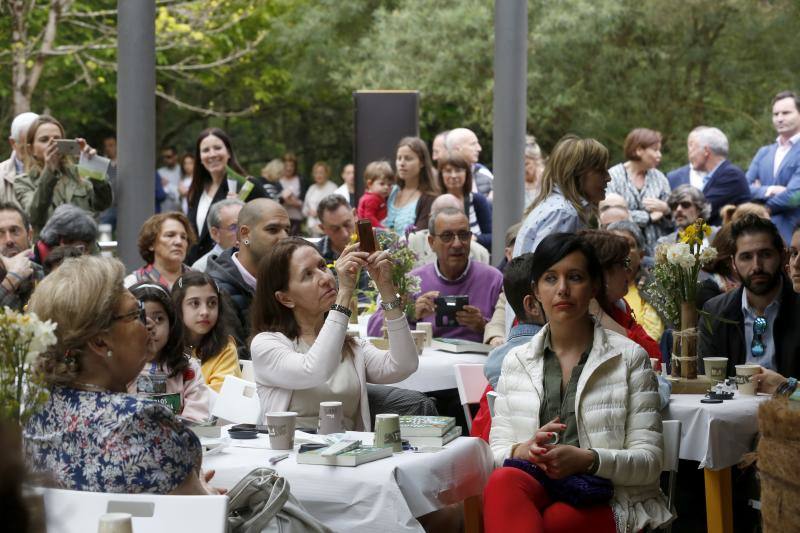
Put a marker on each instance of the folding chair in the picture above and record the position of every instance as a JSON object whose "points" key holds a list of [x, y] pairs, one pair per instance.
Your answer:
{"points": [[672, 447], [74, 511], [491, 396], [471, 384], [238, 401]]}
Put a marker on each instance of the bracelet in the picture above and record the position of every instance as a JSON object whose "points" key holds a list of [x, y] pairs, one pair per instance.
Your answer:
{"points": [[787, 387], [388, 306], [342, 309], [595, 462]]}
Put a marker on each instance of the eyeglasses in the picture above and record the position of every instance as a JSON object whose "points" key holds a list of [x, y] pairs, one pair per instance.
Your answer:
{"points": [[139, 313], [757, 347], [686, 204], [448, 236]]}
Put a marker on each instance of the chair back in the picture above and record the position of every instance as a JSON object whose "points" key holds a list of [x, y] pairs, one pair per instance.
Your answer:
{"points": [[471, 384], [491, 396], [672, 444], [74, 511], [237, 401], [248, 372]]}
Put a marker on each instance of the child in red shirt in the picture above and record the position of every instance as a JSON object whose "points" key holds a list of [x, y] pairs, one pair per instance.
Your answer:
{"points": [[379, 178]]}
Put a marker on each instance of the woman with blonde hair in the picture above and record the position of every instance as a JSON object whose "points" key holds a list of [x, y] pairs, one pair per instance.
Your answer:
{"points": [[573, 184], [270, 179]]}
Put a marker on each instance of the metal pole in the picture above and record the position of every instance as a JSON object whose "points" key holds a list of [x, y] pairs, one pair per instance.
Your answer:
{"points": [[510, 113], [136, 123]]}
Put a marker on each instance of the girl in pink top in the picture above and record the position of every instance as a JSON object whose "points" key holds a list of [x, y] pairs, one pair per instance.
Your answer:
{"points": [[186, 390], [379, 178]]}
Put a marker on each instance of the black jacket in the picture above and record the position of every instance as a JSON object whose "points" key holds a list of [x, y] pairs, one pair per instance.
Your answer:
{"points": [[728, 340], [223, 270]]}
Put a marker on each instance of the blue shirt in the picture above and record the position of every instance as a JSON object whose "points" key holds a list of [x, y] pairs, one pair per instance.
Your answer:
{"points": [[519, 335], [771, 314]]}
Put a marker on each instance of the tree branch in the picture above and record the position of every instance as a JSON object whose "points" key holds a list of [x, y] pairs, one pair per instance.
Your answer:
{"points": [[219, 62], [205, 111]]}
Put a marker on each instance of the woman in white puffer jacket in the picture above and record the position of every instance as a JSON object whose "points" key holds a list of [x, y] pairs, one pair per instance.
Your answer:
{"points": [[592, 387]]}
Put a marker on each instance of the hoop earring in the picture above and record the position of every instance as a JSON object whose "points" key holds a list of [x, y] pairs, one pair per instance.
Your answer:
{"points": [[246, 242]]}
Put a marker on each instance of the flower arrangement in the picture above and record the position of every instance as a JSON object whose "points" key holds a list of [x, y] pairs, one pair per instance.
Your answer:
{"points": [[403, 261], [22, 338]]}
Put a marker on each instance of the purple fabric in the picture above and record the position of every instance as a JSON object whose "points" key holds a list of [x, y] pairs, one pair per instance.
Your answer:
{"points": [[482, 283], [579, 490]]}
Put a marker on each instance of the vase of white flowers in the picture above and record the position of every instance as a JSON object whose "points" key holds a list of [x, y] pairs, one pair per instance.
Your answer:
{"points": [[22, 338]]}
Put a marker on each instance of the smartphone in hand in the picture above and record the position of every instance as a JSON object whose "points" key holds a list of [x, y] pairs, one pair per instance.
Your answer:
{"points": [[68, 147], [366, 237]]}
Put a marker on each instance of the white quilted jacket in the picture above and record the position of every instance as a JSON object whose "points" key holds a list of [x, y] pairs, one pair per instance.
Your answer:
{"points": [[616, 411]]}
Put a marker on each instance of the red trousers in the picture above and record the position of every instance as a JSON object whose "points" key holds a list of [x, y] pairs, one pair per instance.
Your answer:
{"points": [[513, 501]]}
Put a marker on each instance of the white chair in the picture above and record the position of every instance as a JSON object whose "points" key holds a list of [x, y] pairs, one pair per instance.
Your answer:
{"points": [[248, 372], [73, 511], [672, 448], [237, 401], [471, 384], [491, 396]]}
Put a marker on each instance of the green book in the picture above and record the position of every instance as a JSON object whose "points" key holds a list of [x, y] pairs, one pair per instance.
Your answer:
{"points": [[459, 346], [359, 456], [436, 442], [425, 426]]}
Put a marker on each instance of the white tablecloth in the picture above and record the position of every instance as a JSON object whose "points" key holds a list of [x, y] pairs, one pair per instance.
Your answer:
{"points": [[716, 435], [436, 371], [383, 496]]}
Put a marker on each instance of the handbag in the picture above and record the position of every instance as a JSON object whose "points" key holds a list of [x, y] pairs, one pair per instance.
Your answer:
{"points": [[263, 503], [578, 490]]}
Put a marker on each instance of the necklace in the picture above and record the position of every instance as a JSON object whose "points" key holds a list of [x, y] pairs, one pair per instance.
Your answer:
{"points": [[91, 387]]}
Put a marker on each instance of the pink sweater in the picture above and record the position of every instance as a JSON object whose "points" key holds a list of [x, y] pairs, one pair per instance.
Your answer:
{"points": [[195, 394]]}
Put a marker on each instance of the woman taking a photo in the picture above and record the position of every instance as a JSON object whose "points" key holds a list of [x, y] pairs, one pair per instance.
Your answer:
{"points": [[51, 178], [643, 186], [455, 177], [301, 353], [211, 183], [409, 203], [102, 344], [163, 242], [591, 387]]}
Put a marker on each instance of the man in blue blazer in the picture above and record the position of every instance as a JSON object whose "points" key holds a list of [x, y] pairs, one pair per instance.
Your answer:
{"points": [[774, 173], [721, 181]]}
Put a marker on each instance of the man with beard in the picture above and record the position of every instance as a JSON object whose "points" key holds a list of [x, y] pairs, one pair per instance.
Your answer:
{"points": [[688, 203], [20, 273], [756, 323]]}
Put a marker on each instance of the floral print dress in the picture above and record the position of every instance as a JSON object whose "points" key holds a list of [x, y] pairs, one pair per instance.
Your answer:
{"points": [[110, 442]]}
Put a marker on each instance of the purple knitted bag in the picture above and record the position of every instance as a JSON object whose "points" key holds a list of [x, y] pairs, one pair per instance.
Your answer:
{"points": [[578, 490]]}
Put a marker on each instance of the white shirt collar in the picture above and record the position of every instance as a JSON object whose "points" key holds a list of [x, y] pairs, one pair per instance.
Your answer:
{"points": [[459, 278], [246, 276]]}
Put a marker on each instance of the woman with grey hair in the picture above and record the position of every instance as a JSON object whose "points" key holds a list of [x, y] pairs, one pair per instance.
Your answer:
{"points": [[69, 225]]}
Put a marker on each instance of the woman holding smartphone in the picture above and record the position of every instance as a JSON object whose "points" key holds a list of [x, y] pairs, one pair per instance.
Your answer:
{"points": [[51, 177]]}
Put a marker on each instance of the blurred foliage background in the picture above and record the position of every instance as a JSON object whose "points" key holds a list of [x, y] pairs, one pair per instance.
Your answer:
{"points": [[279, 74]]}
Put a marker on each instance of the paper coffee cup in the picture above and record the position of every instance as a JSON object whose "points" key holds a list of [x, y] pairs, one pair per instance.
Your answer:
{"points": [[115, 523], [419, 340], [743, 374], [387, 432], [716, 368], [281, 430], [331, 418], [427, 327]]}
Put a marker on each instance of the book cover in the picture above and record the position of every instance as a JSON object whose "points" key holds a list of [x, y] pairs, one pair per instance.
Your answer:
{"points": [[356, 457], [436, 442], [459, 346], [425, 426]]}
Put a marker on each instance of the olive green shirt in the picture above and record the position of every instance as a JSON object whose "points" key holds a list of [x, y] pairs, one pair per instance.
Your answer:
{"points": [[557, 402]]}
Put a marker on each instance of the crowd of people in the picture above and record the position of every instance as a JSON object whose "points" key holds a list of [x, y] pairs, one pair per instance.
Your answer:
{"points": [[267, 268]]}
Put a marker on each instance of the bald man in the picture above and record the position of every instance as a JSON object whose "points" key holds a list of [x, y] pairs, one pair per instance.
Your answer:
{"points": [[261, 223], [465, 142], [418, 241]]}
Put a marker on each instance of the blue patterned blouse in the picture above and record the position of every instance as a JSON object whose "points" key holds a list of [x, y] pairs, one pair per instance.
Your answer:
{"points": [[110, 442]]}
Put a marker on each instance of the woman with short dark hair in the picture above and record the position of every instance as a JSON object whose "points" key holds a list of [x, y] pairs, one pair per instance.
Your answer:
{"points": [[163, 243], [593, 389]]}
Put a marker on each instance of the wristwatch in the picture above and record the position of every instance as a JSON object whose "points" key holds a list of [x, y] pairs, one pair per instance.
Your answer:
{"points": [[388, 306]]}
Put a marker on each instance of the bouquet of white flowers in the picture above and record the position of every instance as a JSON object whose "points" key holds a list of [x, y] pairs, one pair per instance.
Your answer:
{"points": [[22, 338]]}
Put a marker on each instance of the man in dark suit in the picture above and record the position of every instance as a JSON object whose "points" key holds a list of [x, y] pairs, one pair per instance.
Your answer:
{"points": [[756, 323], [721, 181], [774, 173]]}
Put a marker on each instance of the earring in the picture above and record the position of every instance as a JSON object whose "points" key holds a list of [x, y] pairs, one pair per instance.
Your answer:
{"points": [[246, 242], [109, 354]]}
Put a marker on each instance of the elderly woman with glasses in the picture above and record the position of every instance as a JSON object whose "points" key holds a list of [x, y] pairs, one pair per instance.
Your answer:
{"points": [[92, 435], [609, 306]]}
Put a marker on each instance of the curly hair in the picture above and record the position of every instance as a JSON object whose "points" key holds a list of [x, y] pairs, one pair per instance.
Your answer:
{"points": [[80, 296], [152, 228], [171, 355]]}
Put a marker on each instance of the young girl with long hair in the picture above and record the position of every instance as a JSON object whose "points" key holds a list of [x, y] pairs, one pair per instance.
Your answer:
{"points": [[203, 313]]}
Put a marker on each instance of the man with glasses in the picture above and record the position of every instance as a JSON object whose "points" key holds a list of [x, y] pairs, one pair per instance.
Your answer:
{"points": [[756, 323], [222, 221], [453, 274], [687, 203]]}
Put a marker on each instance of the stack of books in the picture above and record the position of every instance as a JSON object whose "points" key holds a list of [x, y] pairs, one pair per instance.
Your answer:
{"points": [[459, 346], [355, 457], [429, 431]]}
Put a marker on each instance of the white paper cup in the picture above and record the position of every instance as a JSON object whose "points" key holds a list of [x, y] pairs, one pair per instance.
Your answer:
{"points": [[115, 523], [427, 327], [419, 340], [743, 374], [331, 418], [387, 432], [716, 368], [281, 430]]}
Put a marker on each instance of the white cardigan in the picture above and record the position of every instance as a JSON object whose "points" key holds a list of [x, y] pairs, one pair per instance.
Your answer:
{"points": [[280, 369], [616, 408]]}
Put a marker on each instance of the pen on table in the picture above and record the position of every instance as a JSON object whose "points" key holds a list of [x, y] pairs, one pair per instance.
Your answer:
{"points": [[278, 458]]}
